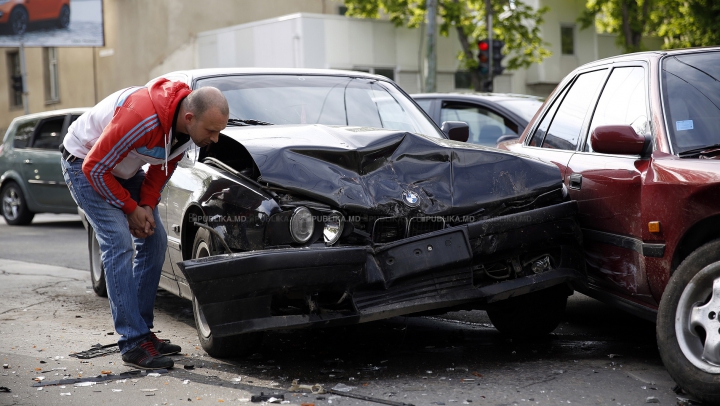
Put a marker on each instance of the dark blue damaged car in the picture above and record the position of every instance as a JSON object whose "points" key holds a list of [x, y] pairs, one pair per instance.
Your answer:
{"points": [[332, 198]]}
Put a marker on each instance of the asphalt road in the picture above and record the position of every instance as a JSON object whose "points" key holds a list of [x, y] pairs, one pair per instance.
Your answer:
{"points": [[51, 239], [598, 355]]}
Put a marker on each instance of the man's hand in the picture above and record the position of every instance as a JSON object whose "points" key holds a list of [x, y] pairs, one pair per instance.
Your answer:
{"points": [[141, 222]]}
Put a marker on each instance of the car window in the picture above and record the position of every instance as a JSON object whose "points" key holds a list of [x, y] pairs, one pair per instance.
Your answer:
{"points": [[565, 127], [328, 100], [539, 135], [426, 104], [485, 126], [23, 133], [525, 108], [49, 134], [623, 102], [691, 98]]}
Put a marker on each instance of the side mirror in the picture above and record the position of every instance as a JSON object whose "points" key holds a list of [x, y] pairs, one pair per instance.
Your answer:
{"points": [[456, 130], [617, 139]]}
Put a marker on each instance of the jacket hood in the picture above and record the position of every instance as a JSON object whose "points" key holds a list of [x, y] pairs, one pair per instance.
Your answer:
{"points": [[371, 170], [165, 96]]}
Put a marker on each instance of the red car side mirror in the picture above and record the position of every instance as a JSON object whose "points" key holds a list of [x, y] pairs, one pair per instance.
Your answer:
{"points": [[617, 139]]}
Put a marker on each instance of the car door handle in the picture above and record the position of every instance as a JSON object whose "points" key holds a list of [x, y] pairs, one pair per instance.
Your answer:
{"points": [[28, 161], [575, 181]]}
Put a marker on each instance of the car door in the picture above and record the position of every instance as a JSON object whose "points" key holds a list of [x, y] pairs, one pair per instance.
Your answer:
{"points": [[41, 165], [39, 9], [486, 125], [608, 189], [556, 137]]}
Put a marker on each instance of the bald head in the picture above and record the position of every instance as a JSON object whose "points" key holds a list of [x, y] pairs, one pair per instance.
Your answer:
{"points": [[203, 114], [205, 98]]}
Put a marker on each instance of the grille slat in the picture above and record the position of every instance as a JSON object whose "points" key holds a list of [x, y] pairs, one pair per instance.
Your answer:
{"points": [[389, 229]]}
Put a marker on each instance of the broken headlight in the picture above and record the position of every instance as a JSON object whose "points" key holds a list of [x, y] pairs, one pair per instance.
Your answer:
{"points": [[334, 223], [302, 225]]}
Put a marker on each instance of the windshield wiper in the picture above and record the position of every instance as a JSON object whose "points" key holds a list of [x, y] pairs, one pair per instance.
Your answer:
{"points": [[700, 151], [237, 121]]}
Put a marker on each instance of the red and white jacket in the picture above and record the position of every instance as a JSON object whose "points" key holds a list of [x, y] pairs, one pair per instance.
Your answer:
{"points": [[123, 132]]}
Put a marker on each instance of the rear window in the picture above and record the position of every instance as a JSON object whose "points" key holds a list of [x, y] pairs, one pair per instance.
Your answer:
{"points": [[691, 98]]}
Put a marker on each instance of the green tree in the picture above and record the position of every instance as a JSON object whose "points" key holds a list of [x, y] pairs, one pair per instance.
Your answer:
{"points": [[681, 23], [514, 22]]}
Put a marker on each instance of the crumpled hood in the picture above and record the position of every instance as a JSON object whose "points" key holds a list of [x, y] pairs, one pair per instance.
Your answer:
{"points": [[367, 170]]}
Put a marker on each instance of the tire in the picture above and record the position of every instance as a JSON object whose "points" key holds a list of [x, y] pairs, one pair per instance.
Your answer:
{"points": [[18, 21], [531, 315], [63, 20], [97, 269], [688, 327], [218, 347], [14, 206]]}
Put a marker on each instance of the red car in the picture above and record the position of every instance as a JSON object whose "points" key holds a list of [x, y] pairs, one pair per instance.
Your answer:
{"points": [[637, 139], [15, 15]]}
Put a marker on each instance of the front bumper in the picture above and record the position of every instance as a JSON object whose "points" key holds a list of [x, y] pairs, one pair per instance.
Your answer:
{"points": [[239, 293]]}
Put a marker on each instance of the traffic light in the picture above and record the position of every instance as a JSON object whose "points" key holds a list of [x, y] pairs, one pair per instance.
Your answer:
{"points": [[17, 84], [497, 56], [484, 57]]}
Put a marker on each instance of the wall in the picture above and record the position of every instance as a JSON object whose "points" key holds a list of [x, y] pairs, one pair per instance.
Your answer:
{"points": [[75, 68], [307, 40]]}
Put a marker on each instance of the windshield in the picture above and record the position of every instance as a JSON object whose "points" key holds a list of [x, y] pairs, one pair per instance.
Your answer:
{"points": [[329, 100], [525, 108], [691, 98]]}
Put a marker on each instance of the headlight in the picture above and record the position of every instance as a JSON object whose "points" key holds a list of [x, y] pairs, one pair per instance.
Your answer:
{"points": [[334, 223], [302, 225]]}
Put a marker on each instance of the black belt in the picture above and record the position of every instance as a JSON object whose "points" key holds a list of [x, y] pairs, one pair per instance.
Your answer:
{"points": [[67, 155]]}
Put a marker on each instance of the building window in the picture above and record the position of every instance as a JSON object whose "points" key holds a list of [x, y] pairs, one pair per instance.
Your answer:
{"points": [[52, 91], [567, 39], [462, 80], [14, 79], [342, 10]]}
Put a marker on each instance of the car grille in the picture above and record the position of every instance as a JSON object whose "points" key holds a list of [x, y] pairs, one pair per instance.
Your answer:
{"points": [[388, 229]]}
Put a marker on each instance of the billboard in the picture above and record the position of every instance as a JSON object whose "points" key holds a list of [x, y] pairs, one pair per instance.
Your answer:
{"points": [[51, 23]]}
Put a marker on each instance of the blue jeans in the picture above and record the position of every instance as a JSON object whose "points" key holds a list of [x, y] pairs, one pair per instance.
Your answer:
{"points": [[131, 286]]}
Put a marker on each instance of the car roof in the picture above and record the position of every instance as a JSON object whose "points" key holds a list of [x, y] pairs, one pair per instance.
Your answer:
{"points": [[649, 55], [492, 97], [209, 72], [53, 113]]}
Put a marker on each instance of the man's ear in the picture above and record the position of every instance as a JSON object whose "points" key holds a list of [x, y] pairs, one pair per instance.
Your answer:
{"points": [[189, 116]]}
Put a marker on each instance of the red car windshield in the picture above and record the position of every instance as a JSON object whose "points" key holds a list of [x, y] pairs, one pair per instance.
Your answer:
{"points": [[691, 97]]}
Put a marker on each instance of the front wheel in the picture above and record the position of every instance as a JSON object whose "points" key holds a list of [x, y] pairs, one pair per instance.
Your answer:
{"points": [[14, 206], [688, 328], [530, 315], [18, 21], [63, 20], [219, 347], [97, 269]]}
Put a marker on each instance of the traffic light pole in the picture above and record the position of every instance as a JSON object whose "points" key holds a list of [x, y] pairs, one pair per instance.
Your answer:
{"points": [[23, 73], [489, 16]]}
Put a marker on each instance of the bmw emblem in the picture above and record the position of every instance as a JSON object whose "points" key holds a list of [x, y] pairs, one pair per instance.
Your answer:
{"points": [[411, 198]]}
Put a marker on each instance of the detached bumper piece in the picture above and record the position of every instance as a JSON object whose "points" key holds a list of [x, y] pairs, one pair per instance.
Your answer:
{"points": [[466, 266]]}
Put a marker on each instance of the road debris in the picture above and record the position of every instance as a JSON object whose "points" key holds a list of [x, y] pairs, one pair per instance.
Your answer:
{"points": [[318, 389], [101, 378], [4, 389], [652, 399], [267, 398], [97, 350]]}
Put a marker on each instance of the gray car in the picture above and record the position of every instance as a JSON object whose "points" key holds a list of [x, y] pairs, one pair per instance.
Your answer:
{"points": [[31, 179]]}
